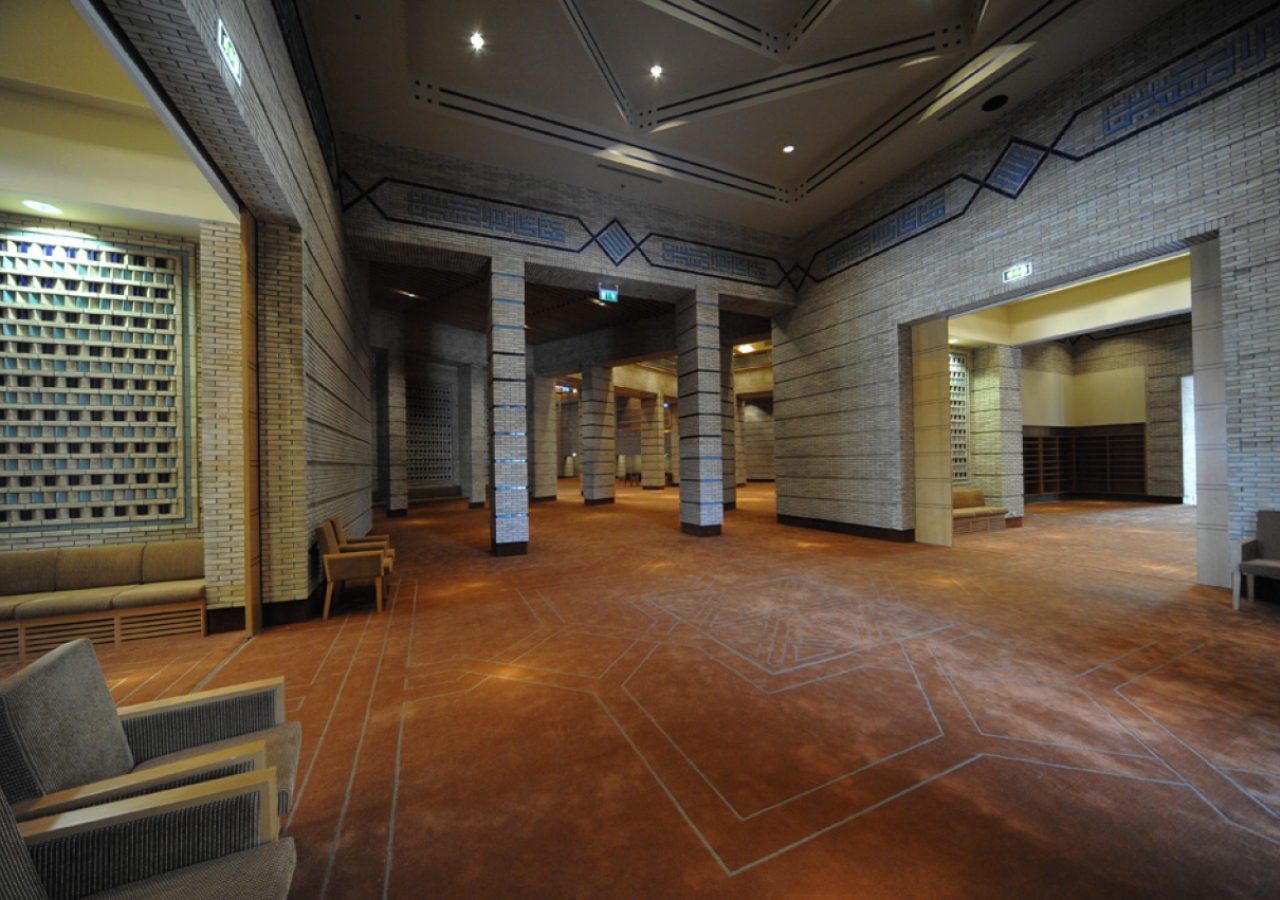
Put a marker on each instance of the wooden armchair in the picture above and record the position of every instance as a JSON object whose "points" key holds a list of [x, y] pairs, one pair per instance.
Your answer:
{"points": [[343, 565], [365, 542], [215, 839], [1259, 557], [70, 746]]}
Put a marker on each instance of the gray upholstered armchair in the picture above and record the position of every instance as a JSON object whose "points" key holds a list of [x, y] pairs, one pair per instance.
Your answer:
{"points": [[216, 839], [1259, 557], [63, 742]]}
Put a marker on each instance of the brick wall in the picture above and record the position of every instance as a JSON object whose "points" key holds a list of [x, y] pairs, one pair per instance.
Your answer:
{"points": [[841, 374]]}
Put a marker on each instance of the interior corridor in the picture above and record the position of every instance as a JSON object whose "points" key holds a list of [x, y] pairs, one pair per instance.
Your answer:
{"points": [[1052, 711]]}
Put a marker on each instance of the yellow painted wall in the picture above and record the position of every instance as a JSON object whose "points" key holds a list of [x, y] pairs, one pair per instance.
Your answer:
{"points": [[1114, 397]]}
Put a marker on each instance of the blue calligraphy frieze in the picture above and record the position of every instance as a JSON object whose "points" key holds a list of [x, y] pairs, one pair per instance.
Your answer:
{"points": [[615, 242], [886, 232], [713, 261], [1226, 63], [473, 214]]}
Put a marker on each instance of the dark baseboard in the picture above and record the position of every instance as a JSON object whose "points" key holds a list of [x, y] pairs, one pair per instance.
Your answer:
{"points": [[1013, 522], [1118, 498], [552, 499], [479, 504], [397, 513], [906, 536], [732, 504], [293, 611], [220, 621], [700, 530], [515, 548], [599, 501], [655, 487]]}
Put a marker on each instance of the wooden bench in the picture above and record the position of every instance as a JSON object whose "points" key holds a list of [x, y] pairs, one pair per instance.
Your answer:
{"points": [[970, 514], [111, 595]]}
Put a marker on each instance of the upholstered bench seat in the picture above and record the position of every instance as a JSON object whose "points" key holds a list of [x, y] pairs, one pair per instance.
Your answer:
{"points": [[969, 512], [109, 594]]}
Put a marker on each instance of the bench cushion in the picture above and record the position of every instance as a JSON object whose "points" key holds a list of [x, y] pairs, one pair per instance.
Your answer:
{"points": [[159, 593], [68, 603], [173, 561], [94, 567], [9, 605], [966, 498], [27, 571]]}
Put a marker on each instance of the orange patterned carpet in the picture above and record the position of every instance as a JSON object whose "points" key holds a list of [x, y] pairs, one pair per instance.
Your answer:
{"points": [[630, 712]]}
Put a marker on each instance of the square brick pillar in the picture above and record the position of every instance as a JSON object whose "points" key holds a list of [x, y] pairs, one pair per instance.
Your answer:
{"points": [[599, 448], [509, 413], [473, 431], [701, 420], [224, 320], [1213, 546], [544, 436], [995, 431], [931, 408], [728, 438], [653, 468], [739, 443], [392, 414]]}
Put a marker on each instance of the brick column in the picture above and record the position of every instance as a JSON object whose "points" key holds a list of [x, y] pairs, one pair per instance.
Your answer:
{"points": [[599, 449], [392, 416], [285, 536], [698, 369], [728, 439], [222, 437], [739, 443], [1213, 548], [931, 409], [653, 471], [544, 436], [508, 410], [473, 430], [995, 431]]}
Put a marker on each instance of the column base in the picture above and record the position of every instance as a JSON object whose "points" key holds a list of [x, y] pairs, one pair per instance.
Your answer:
{"points": [[475, 504], [655, 487], [598, 501], [550, 499], [397, 513], [732, 504], [700, 530], [516, 548]]}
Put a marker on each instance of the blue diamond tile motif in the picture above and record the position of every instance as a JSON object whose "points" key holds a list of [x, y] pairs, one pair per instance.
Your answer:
{"points": [[1015, 169], [615, 241]]}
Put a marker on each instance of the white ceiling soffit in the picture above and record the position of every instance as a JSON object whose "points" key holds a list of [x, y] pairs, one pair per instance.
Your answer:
{"points": [[563, 89]]}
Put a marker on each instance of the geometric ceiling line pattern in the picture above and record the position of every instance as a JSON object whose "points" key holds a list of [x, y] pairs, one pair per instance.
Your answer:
{"points": [[1025, 29], [1221, 64]]}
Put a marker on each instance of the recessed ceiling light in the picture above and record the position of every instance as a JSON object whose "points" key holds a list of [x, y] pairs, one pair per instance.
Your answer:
{"points": [[790, 148], [477, 40], [655, 71], [42, 207], [746, 348], [598, 302]]}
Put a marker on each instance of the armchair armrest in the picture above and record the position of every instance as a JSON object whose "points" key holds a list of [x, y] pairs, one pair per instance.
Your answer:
{"points": [[1243, 551], [249, 757], [178, 723], [349, 565], [101, 847], [371, 540]]}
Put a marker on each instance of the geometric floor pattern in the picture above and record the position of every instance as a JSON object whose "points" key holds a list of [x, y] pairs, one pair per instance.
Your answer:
{"points": [[630, 712]]}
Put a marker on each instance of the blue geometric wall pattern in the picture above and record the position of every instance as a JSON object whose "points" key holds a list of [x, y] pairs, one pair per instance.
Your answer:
{"points": [[1015, 169], [615, 242]]}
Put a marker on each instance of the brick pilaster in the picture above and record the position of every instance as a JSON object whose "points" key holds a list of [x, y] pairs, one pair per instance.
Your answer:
{"points": [[599, 447], [698, 369]]}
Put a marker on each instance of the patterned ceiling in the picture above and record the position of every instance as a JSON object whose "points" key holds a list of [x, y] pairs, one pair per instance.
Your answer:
{"points": [[562, 89]]}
